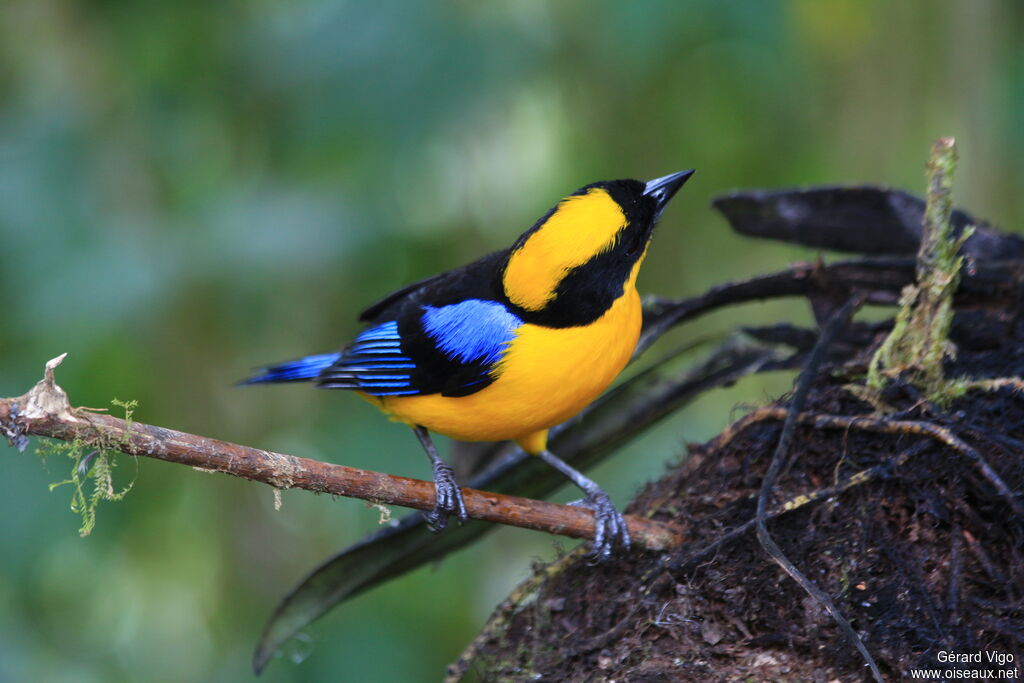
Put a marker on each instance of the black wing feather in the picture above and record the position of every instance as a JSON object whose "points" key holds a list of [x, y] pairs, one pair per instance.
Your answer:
{"points": [[397, 356], [479, 279]]}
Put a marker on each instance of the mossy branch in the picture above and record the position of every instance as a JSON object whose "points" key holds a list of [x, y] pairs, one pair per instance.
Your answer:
{"points": [[919, 342], [91, 461], [45, 411]]}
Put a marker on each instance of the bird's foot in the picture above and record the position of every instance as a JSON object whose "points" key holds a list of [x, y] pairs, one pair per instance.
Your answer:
{"points": [[14, 432], [610, 530], [449, 498]]}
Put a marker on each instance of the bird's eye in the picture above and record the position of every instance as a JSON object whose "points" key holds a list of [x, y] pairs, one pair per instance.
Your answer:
{"points": [[633, 245]]}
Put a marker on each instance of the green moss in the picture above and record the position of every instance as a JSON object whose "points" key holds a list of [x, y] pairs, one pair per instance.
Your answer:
{"points": [[92, 469], [919, 342]]}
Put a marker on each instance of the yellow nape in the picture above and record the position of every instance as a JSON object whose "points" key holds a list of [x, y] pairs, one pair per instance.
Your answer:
{"points": [[581, 227], [546, 376]]}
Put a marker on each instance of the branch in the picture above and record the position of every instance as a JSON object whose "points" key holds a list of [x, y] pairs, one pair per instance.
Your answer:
{"points": [[45, 411], [860, 219], [880, 280], [840, 319]]}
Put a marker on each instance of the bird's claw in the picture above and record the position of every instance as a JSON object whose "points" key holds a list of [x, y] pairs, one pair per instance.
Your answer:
{"points": [[449, 499], [14, 432], [610, 530]]}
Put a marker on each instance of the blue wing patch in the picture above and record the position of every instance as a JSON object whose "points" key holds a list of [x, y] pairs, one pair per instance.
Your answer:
{"points": [[374, 364], [446, 349], [471, 331]]}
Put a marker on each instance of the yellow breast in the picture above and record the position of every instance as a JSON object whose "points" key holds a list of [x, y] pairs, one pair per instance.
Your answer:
{"points": [[546, 376]]}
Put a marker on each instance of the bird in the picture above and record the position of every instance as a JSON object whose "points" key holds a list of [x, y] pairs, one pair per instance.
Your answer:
{"points": [[512, 344]]}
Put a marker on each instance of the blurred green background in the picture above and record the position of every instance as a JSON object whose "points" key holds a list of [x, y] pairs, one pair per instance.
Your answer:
{"points": [[190, 189]]}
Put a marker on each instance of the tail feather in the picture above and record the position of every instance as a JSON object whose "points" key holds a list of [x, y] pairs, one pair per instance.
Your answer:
{"points": [[301, 370]]}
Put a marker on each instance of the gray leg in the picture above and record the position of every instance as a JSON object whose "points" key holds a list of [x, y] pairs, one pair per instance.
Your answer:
{"points": [[449, 497], [610, 527]]}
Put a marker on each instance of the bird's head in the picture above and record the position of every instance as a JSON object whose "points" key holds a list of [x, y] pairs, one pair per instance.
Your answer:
{"points": [[581, 256]]}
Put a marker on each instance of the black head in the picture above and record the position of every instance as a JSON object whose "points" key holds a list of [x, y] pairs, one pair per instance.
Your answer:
{"points": [[576, 260]]}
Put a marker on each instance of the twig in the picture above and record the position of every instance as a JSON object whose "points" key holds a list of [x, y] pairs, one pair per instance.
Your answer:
{"points": [[45, 411], [989, 283], [795, 503], [836, 323], [882, 426]]}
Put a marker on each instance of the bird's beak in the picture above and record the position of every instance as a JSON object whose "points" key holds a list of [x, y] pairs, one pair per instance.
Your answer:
{"points": [[665, 187]]}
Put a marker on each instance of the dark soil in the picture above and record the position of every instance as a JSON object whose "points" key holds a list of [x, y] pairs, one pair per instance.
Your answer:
{"points": [[924, 558]]}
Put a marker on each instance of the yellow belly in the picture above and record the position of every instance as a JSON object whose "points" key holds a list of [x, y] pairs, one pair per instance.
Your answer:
{"points": [[546, 376]]}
